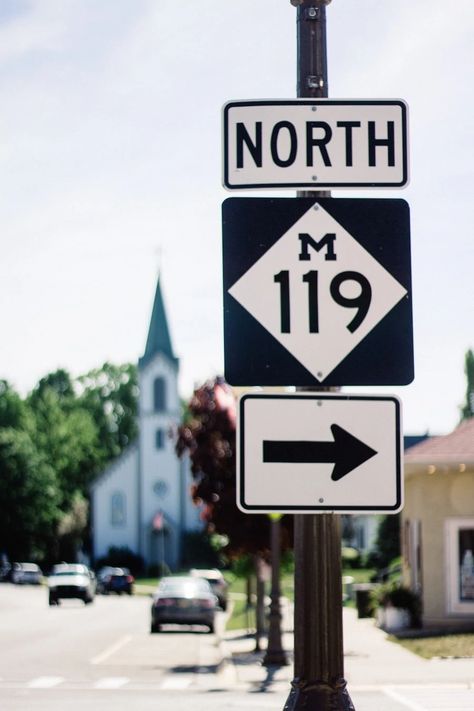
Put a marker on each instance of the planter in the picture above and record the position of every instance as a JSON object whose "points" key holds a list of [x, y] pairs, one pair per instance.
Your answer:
{"points": [[393, 619]]}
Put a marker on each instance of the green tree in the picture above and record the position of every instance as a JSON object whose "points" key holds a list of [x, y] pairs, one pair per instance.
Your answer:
{"points": [[13, 411], [29, 498], [110, 395], [467, 409]]}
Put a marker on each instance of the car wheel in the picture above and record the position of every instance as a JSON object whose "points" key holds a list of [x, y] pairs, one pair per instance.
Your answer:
{"points": [[211, 629], [53, 600], [154, 628]]}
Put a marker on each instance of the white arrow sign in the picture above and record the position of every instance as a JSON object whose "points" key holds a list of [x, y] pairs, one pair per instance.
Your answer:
{"points": [[318, 291], [319, 452]]}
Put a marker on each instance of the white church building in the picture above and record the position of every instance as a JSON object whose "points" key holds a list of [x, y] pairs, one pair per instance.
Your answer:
{"points": [[142, 500]]}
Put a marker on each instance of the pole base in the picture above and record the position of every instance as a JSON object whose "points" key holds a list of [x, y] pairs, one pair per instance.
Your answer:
{"points": [[318, 696]]}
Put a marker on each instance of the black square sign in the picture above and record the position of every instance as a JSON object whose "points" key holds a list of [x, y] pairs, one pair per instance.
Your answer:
{"points": [[317, 292]]}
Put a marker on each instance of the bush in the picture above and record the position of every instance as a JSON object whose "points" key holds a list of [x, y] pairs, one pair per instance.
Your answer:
{"points": [[350, 557]]}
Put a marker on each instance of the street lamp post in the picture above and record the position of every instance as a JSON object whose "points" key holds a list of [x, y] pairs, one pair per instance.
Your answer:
{"points": [[318, 683], [275, 654]]}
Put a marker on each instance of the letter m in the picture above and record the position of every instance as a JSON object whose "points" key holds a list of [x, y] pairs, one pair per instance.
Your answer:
{"points": [[307, 241]]}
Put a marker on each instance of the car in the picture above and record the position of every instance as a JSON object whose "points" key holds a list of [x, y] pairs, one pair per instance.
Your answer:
{"points": [[26, 573], [69, 581], [183, 600], [217, 582], [117, 580]]}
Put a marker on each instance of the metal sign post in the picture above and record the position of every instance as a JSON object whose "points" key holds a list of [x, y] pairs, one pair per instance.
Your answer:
{"points": [[319, 683]]}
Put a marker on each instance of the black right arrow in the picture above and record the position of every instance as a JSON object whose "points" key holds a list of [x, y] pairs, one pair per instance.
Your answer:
{"points": [[346, 451]]}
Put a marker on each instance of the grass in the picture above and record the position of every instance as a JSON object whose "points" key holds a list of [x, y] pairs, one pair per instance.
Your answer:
{"points": [[446, 646]]}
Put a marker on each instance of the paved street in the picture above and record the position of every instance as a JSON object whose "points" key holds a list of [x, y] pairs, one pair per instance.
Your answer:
{"points": [[103, 657]]}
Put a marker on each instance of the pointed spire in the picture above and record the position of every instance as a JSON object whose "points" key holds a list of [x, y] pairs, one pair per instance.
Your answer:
{"points": [[158, 340]]}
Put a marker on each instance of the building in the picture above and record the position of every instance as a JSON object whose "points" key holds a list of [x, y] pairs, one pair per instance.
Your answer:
{"points": [[142, 501], [438, 527]]}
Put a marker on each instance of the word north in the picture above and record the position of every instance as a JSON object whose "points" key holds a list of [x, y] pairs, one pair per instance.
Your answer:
{"points": [[315, 143]]}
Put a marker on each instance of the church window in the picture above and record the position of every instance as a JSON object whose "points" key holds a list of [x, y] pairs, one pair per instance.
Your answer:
{"points": [[159, 395], [118, 508], [160, 439]]}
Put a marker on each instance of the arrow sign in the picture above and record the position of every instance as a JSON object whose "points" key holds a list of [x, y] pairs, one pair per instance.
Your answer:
{"points": [[345, 452], [292, 456]]}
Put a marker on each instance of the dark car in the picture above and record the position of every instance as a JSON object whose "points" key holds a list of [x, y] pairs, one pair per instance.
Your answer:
{"points": [[183, 601], [216, 580], [117, 580], [71, 580]]}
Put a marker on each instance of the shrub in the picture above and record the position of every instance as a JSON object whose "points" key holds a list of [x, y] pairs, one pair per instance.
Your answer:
{"points": [[396, 595]]}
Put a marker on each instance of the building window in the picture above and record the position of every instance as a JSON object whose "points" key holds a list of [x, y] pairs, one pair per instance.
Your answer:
{"points": [[160, 439], [118, 508], [460, 565], [159, 395]]}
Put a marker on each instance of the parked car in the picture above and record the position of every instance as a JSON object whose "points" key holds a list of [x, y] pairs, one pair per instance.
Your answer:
{"points": [[26, 573], [117, 580], [71, 580], [5, 572], [217, 582], [183, 600]]}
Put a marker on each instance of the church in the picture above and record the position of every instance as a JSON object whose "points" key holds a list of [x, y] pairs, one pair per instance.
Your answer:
{"points": [[142, 500]]}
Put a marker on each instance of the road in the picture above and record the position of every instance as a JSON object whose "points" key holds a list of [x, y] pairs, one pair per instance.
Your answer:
{"points": [[102, 657]]}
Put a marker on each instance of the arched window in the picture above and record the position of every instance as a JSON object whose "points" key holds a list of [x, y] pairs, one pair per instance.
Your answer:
{"points": [[159, 395], [160, 439], [117, 508]]}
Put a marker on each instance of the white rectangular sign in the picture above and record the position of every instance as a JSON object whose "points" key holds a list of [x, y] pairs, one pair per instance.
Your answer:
{"points": [[315, 143], [319, 452]]}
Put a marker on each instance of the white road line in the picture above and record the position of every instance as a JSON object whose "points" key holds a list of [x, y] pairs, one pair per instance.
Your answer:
{"points": [[111, 682], [44, 682], [396, 696], [177, 682], [99, 658]]}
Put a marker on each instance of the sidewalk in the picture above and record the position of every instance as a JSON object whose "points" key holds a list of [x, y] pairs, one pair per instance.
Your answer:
{"points": [[370, 660]]}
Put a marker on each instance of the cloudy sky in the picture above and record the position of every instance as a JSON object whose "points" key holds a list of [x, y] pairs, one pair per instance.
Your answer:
{"points": [[110, 166]]}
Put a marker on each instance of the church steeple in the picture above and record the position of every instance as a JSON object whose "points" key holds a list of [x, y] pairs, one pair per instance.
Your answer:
{"points": [[158, 340]]}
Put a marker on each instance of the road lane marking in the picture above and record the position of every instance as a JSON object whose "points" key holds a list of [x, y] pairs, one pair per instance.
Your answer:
{"points": [[111, 682], [177, 682], [99, 658], [396, 696], [44, 682]]}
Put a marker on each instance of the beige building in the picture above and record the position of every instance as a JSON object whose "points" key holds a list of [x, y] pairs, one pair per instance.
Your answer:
{"points": [[438, 527]]}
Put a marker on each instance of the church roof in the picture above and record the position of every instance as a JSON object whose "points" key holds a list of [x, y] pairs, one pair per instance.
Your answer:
{"points": [[158, 340]]}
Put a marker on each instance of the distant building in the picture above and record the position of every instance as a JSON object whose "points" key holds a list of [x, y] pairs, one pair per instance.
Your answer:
{"points": [[142, 501], [438, 527]]}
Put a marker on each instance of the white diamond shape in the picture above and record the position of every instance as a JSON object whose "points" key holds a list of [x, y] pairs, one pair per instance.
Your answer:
{"points": [[259, 294]]}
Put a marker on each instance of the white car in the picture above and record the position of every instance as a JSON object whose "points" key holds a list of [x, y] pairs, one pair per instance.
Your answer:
{"points": [[71, 580]]}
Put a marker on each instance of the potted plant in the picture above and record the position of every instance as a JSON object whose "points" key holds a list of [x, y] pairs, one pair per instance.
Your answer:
{"points": [[397, 607]]}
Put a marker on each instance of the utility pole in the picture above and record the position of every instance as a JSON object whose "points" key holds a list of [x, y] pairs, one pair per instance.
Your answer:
{"points": [[318, 683]]}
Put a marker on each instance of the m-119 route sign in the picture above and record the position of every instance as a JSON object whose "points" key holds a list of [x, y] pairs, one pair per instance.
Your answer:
{"points": [[319, 452], [317, 291], [315, 143]]}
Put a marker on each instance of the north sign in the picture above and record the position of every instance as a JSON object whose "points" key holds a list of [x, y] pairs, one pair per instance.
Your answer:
{"points": [[315, 143], [317, 291], [319, 452]]}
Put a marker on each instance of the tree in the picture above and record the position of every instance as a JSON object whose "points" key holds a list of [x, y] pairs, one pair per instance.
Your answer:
{"points": [[207, 434], [110, 395], [29, 498], [467, 410]]}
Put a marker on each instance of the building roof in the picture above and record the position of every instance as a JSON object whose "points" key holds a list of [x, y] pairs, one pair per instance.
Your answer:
{"points": [[159, 339], [456, 447]]}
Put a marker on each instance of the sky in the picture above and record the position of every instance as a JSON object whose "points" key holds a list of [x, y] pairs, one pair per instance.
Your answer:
{"points": [[110, 170]]}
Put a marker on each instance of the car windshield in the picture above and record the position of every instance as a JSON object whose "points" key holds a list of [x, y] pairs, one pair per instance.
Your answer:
{"points": [[69, 570], [185, 587]]}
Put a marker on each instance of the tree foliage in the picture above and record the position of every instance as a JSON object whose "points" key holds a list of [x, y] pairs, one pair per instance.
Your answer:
{"points": [[52, 445], [467, 409], [207, 435]]}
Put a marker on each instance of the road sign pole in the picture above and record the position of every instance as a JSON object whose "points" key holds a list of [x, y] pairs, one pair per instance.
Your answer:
{"points": [[318, 683]]}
